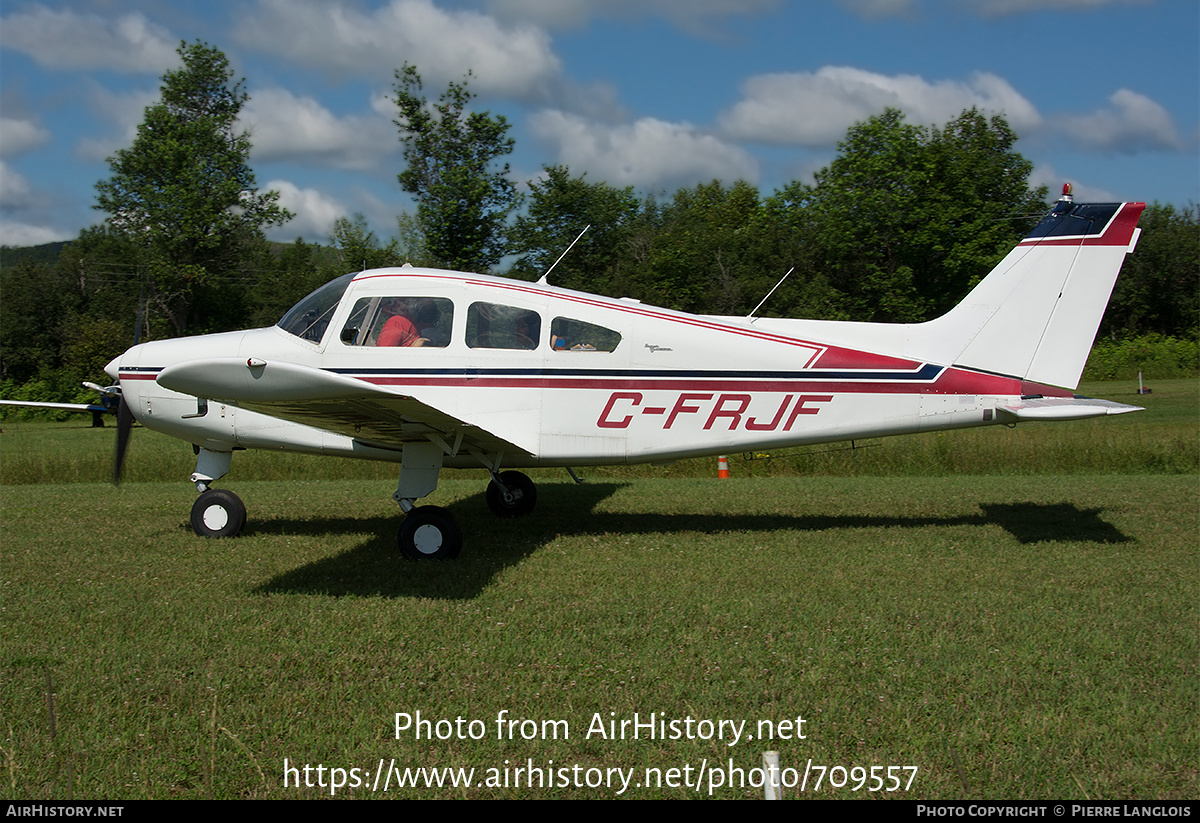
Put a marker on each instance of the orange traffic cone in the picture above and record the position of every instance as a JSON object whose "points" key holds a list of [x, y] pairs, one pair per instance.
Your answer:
{"points": [[722, 466]]}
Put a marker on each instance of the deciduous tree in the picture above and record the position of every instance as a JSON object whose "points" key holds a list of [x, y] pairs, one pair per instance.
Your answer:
{"points": [[562, 206], [184, 193], [1157, 291], [708, 255], [359, 247], [906, 218], [463, 197]]}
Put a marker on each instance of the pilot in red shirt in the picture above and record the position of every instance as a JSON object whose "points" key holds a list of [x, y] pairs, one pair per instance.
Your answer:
{"points": [[399, 329]]}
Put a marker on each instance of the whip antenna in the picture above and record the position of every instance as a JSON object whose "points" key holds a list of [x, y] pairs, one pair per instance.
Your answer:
{"points": [[542, 279], [750, 316]]}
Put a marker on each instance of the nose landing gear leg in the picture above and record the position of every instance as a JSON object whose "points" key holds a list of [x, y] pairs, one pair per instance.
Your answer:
{"points": [[216, 512], [426, 531]]}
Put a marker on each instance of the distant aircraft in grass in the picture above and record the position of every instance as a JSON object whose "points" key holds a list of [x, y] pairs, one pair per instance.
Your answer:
{"points": [[108, 403], [430, 368]]}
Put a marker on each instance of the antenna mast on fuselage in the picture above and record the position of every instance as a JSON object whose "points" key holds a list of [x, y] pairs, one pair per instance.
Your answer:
{"points": [[750, 316], [542, 280]]}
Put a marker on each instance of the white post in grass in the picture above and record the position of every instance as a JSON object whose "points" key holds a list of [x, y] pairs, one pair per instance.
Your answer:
{"points": [[771, 788]]}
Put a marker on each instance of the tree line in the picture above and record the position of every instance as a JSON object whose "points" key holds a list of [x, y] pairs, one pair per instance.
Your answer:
{"points": [[903, 222]]}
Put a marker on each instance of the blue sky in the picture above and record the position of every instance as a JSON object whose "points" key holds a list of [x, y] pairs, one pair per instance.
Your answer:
{"points": [[656, 94]]}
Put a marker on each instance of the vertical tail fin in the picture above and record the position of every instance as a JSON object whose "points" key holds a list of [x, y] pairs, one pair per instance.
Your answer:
{"points": [[1036, 314]]}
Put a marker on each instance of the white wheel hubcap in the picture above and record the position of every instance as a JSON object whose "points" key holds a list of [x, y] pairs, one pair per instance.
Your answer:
{"points": [[215, 518], [427, 539]]}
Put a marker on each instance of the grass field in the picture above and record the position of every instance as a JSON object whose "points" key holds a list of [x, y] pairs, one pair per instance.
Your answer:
{"points": [[1162, 440], [1016, 614]]}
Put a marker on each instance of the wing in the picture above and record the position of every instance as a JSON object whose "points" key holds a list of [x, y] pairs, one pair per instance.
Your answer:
{"points": [[108, 402], [33, 404], [375, 415], [80, 407]]}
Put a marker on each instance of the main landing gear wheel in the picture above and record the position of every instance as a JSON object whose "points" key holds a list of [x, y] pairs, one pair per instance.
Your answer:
{"points": [[218, 513], [430, 531], [516, 498]]}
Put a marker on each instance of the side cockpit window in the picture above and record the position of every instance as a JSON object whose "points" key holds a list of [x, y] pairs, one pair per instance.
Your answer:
{"points": [[567, 335], [495, 326], [309, 318], [417, 322]]}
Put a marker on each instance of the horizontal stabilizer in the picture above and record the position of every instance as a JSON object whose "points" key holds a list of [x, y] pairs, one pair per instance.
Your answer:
{"points": [[1063, 408]]}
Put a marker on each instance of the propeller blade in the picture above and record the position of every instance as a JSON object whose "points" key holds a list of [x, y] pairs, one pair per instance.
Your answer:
{"points": [[124, 426]]}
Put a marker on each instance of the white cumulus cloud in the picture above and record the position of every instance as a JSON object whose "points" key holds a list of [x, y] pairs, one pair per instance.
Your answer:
{"points": [[14, 233], [1084, 192], [18, 135], [14, 189], [125, 111], [315, 212], [816, 108], [516, 60], [696, 16], [28, 213], [1131, 123], [1000, 8], [648, 153], [874, 9], [283, 126], [71, 40]]}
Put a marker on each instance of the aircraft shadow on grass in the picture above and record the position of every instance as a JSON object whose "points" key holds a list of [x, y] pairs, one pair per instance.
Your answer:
{"points": [[375, 568]]}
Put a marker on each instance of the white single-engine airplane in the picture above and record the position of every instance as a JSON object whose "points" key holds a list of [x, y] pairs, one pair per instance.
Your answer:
{"points": [[433, 368]]}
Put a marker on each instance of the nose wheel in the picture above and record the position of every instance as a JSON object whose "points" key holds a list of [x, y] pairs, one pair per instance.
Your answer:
{"points": [[218, 513], [429, 532]]}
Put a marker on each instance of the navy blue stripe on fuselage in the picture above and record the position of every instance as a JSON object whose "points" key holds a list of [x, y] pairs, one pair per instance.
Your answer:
{"points": [[927, 373]]}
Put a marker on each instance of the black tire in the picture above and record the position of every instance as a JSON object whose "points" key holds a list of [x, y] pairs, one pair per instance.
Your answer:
{"points": [[521, 499], [218, 513], [430, 532]]}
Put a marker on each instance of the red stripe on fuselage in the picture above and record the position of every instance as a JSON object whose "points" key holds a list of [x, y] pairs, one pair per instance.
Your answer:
{"points": [[835, 357]]}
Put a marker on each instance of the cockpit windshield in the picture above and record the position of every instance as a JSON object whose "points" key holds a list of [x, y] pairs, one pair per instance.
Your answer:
{"points": [[309, 318]]}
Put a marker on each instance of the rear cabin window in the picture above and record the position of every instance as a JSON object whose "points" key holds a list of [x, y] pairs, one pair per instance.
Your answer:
{"points": [[414, 322], [495, 326], [567, 335]]}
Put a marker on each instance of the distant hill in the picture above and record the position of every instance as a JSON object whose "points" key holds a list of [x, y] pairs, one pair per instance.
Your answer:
{"points": [[46, 253]]}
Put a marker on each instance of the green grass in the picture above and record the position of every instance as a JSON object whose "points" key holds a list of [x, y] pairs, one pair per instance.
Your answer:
{"points": [[1162, 439], [1026, 633]]}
